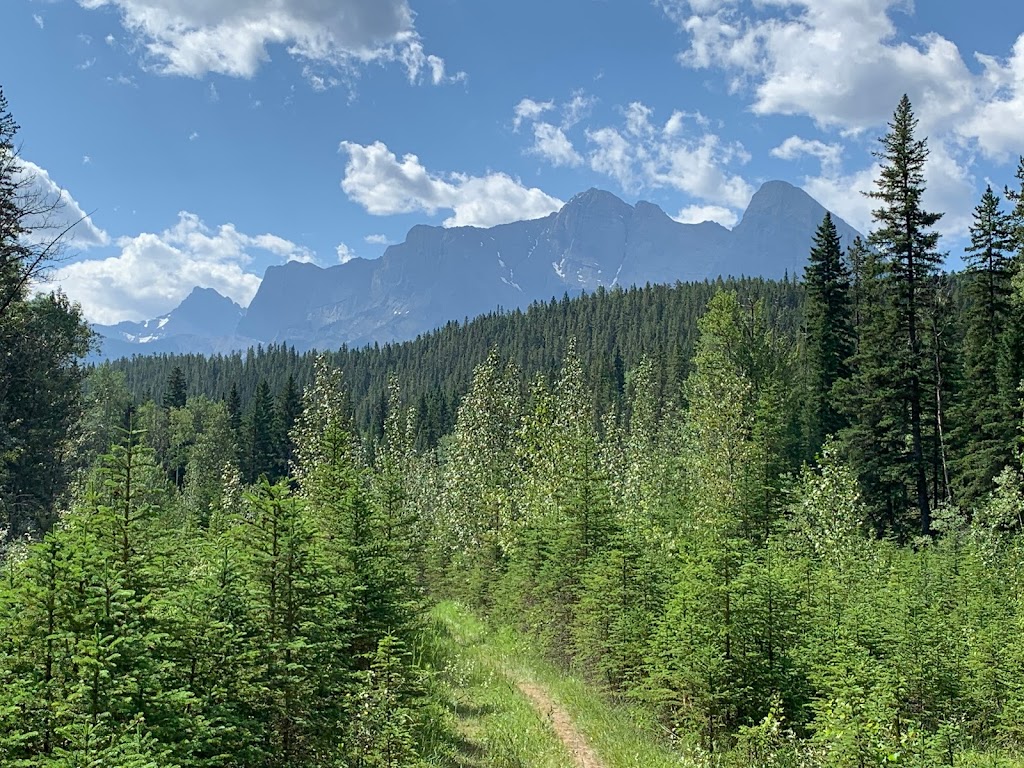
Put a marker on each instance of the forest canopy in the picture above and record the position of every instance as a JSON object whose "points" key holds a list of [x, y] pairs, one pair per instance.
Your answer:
{"points": [[784, 519]]}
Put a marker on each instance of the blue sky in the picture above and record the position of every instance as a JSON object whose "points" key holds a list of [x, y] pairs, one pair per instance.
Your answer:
{"points": [[209, 139]]}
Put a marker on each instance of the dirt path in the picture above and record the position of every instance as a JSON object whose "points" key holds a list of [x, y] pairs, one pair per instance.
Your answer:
{"points": [[581, 752]]}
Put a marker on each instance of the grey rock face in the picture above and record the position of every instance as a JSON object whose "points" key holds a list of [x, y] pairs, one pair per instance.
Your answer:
{"points": [[440, 274]]}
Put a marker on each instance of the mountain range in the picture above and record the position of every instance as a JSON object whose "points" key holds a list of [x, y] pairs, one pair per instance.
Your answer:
{"points": [[441, 274]]}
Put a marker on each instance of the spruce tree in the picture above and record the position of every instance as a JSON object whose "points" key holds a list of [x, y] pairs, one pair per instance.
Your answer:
{"points": [[289, 406], [41, 339], [829, 332], [986, 430], [904, 238], [1011, 362], [259, 440], [874, 443], [175, 394]]}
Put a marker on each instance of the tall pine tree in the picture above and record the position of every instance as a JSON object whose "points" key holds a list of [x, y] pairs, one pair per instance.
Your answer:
{"points": [[904, 238], [829, 332], [985, 445]]}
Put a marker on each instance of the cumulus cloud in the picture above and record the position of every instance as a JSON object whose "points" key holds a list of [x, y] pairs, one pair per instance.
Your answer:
{"points": [[996, 121], [696, 214], [154, 272], [419, 63], [613, 156], [231, 37], [529, 110], [577, 108], [845, 65], [58, 210], [384, 185], [377, 240], [551, 143], [681, 154], [345, 254], [796, 147], [950, 184], [645, 155], [550, 140]]}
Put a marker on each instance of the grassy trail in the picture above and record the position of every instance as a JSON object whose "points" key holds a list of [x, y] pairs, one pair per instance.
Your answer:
{"points": [[515, 710]]}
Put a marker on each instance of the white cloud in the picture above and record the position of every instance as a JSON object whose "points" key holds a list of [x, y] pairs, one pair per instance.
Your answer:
{"points": [[110, 39], [638, 120], [126, 80], [551, 143], [613, 156], [231, 37], [384, 185], [418, 62], [43, 192], [377, 239], [39, 21], [345, 254], [695, 214], [212, 94], [193, 136], [830, 155], [86, 160], [997, 121], [87, 64], [154, 272], [642, 155], [949, 187], [842, 193], [674, 125], [577, 108], [844, 64], [528, 109], [317, 81]]}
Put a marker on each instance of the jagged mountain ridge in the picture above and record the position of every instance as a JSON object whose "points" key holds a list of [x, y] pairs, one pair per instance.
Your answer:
{"points": [[440, 274], [205, 321]]}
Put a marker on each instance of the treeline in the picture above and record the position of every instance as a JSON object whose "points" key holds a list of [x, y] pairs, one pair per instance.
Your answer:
{"points": [[614, 330]]}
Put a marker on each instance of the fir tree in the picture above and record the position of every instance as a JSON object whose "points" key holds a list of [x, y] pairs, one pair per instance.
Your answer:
{"points": [[907, 243], [874, 442], [829, 332], [260, 453], [175, 394], [1011, 361], [986, 437]]}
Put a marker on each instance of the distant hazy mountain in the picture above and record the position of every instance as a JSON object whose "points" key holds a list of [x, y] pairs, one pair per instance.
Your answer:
{"points": [[441, 274], [204, 322]]}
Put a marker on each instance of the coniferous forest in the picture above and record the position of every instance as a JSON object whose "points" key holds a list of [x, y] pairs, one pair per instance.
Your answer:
{"points": [[782, 519]]}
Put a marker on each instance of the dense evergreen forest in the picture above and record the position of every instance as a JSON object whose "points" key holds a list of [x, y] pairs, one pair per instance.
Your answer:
{"points": [[614, 331], [785, 519]]}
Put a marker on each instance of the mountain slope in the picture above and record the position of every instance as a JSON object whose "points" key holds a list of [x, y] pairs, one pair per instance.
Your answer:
{"points": [[205, 321], [441, 274]]}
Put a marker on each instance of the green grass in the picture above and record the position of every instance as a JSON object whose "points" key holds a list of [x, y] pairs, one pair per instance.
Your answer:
{"points": [[501, 729], [497, 727], [620, 736]]}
